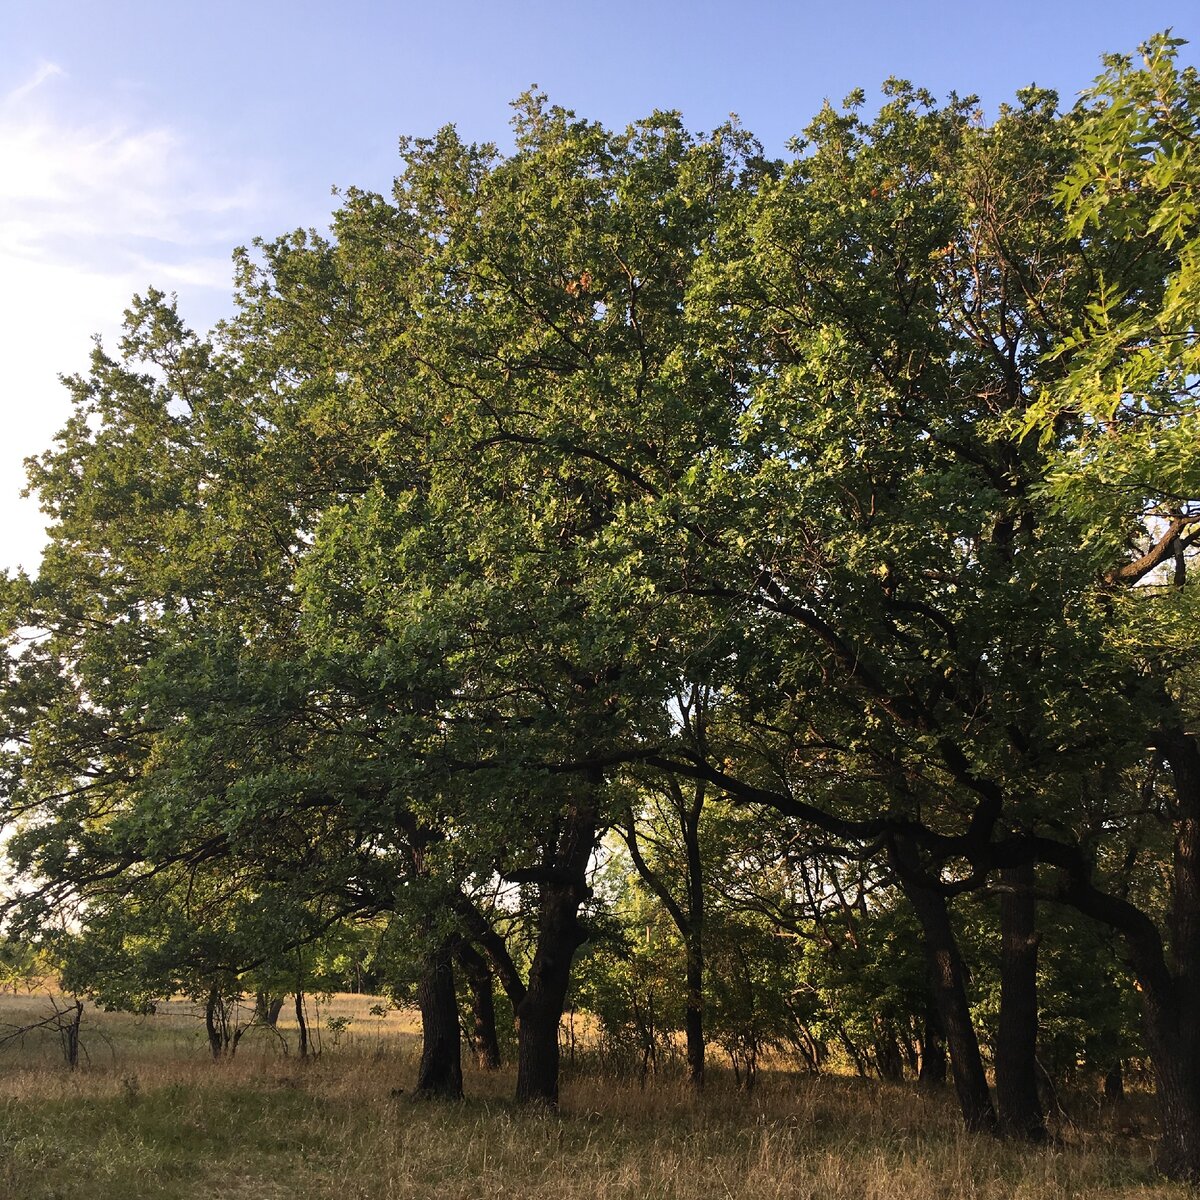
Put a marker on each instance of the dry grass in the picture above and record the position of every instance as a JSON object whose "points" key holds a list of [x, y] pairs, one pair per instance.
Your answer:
{"points": [[153, 1116]]}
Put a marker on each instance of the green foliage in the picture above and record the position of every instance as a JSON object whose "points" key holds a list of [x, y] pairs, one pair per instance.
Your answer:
{"points": [[23, 964], [630, 979], [393, 590]]}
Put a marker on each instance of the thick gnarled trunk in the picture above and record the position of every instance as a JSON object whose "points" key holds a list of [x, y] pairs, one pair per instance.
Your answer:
{"points": [[1172, 1047], [541, 1008], [440, 1073], [948, 983], [562, 888], [1020, 1109], [538, 1004]]}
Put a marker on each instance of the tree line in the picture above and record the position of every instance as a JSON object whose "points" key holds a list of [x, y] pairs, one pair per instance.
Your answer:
{"points": [[806, 538]]}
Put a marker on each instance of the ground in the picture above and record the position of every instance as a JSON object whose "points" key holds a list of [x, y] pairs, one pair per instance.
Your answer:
{"points": [[149, 1114]]}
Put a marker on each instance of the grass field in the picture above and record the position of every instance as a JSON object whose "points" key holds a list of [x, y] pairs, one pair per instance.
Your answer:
{"points": [[151, 1115]]}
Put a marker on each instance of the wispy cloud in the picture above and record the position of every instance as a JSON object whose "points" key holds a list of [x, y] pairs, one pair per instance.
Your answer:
{"points": [[46, 70], [92, 191], [92, 209]]}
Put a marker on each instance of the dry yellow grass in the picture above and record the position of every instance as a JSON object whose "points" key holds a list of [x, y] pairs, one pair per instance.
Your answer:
{"points": [[153, 1116]]}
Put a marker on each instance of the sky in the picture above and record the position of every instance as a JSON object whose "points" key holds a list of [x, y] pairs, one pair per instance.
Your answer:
{"points": [[141, 142]]}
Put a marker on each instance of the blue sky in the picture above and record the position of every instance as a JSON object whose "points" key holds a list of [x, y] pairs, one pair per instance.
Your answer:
{"points": [[140, 142]]}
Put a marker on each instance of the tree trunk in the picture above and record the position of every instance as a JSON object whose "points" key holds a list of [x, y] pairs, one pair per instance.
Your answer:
{"points": [[1172, 1011], [689, 921], [933, 1049], [1170, 1022], [302, 1025], [440, 1072], [948, 979], [1168, 985], [1172, 1049], [562, 888], [889, 1060], [537, 1052], [478, 975], [541, 1009], [1020, 1109], [212, 1023], [268, 1008], [693, 937], [693, 1016], [68, 1029]]}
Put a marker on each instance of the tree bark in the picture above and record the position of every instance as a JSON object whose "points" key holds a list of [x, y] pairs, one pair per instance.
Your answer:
{"points": [[948, 979], [301, 1025], [68, 1028], [478, 975], [1169, 1018], [268, 1008], [889, 1060], [562, 888], [693, 1016], [212, 1023], [932, 1074], [541, 1009], [693, 937], [1171, 1004], [1178, 1097], [440, 1072], [538, 1004], [1020, 1109]]}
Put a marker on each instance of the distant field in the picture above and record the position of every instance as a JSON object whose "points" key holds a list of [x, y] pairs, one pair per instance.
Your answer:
{"points": [[151, 1115], [175, 1033]]}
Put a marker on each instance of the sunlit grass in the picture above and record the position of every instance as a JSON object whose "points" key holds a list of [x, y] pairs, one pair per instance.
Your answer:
{"points": [[152, 1115]]}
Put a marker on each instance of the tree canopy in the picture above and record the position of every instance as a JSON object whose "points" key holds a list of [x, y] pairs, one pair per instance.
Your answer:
{"points": [[822, 526]]}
